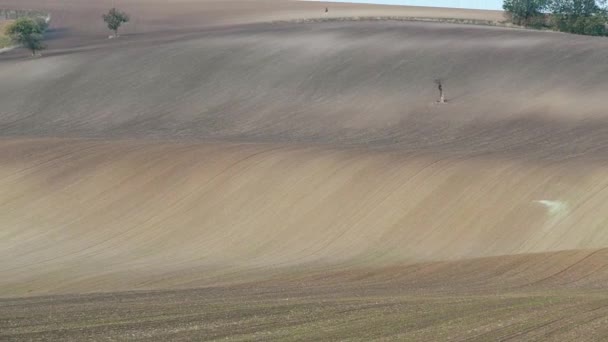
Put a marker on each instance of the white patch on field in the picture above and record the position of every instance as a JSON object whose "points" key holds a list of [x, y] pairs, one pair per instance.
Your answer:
{"points": [[554, 207], [557, 210]]}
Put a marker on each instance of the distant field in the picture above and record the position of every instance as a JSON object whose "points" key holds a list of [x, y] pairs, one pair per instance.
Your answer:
{"points": [[4, 40]]}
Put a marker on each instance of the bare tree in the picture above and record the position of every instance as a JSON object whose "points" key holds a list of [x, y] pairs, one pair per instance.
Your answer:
{"points": [[440, 87]]}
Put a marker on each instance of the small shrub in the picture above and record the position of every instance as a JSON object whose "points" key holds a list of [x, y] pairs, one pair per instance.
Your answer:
{"points": [[114, 19]]}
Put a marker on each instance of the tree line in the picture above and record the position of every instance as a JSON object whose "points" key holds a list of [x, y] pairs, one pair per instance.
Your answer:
{"points": [[588, 17]]}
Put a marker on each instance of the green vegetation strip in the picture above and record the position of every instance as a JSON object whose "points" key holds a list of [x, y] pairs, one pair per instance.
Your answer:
{"points": [[398, 18], [14, 14], [4, 40]]}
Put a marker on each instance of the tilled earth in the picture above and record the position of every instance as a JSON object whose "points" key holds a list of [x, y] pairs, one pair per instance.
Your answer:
{"points": [[292, 314], [260, 170]]}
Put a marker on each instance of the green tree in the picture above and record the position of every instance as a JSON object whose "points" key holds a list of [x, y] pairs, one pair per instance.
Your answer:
{"points": [[577, 8], [43, 24], [114, 19], [27, 32], [587, 17], [523, 12]]}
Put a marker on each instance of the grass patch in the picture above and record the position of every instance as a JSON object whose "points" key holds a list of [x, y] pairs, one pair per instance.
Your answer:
{"points": [[5, 41]]}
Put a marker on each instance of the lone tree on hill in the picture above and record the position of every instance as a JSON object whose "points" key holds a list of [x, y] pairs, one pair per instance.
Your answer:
{"points": [[115, 18], [440, 87], [28, 32]]}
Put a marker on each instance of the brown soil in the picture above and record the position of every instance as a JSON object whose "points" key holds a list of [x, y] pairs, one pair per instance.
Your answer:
{"points": [[223, 171]]}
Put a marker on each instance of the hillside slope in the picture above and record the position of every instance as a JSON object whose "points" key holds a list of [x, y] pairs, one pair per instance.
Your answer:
{"points": [[97, 216], [512, 93]]}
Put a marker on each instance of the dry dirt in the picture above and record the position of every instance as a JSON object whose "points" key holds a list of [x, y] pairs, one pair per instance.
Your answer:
{"points": [[219, 172]]}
